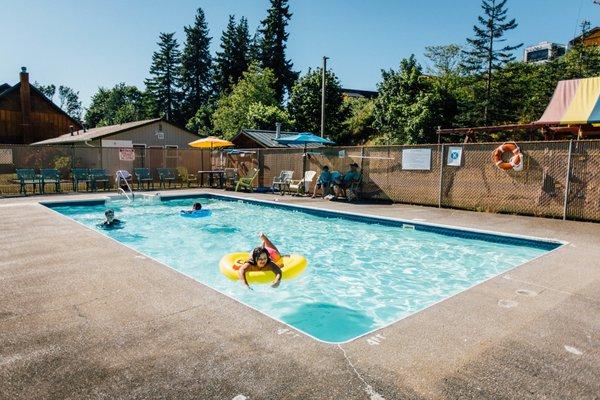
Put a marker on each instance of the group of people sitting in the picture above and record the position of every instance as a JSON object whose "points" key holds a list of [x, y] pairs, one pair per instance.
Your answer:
{"points": [[335, 185]]}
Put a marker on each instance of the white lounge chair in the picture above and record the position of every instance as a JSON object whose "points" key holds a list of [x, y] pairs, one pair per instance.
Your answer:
{"points": [[302, 186]]}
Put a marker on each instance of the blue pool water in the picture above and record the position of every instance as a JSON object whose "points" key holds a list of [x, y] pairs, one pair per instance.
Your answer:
{"points": [[362, 275]]}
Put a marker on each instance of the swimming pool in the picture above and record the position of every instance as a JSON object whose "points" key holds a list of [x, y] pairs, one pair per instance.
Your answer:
{"points": [[363, 273]]}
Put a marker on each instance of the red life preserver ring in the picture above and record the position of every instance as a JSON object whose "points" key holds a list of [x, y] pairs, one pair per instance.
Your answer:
{"points": [[514, 162]]}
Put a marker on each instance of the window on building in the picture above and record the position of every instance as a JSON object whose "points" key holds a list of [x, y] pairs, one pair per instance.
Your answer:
{"points": [[538, 55]]}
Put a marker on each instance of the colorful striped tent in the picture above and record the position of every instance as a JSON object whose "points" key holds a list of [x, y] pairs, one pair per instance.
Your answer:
{"points": [[575, 102]]}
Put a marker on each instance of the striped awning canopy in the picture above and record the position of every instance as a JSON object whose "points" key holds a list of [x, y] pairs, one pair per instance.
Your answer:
{"points": [[575, 101]]}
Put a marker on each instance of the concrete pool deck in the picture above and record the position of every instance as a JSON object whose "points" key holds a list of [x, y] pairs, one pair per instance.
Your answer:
{"points": [[82, 316]]}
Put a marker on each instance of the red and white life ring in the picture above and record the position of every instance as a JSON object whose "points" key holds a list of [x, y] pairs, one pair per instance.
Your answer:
{"points": [[516, 160]]}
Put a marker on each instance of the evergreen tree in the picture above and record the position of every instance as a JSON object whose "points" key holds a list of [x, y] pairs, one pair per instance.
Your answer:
{"points": [[272, 46], [305, 104], [196, 78], [164, 84], [233, 59], [483, 55]]}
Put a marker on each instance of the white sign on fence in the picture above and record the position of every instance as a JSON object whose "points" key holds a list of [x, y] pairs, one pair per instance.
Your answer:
{"points": [[416, 159], [454, 156], [126, 154], [6, 156], [116, 143]]}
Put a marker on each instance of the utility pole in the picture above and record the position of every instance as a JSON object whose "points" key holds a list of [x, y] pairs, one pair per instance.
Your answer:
{"points": [[323, 96]]}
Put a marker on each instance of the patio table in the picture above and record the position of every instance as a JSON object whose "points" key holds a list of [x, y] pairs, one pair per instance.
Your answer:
{"points": [[213, 176]]}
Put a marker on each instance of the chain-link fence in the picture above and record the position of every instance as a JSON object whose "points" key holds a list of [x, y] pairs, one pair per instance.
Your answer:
{"points": [[560, 179]]}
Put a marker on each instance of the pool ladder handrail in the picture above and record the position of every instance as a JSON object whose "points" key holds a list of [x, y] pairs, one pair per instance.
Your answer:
{"points": [[120, 189]]}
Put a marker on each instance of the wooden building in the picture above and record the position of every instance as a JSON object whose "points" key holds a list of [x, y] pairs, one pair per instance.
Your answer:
{"points": [[591, 37], [27, 116], [153, 138]]}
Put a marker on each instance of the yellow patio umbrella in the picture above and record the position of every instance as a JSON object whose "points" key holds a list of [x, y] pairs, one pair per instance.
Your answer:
{"points": [[210, 142]]}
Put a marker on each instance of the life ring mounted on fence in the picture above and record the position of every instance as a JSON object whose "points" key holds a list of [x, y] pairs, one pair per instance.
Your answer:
{"points": [[516, 160]]}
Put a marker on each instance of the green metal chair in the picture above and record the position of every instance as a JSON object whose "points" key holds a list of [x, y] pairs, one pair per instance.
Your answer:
{"points": [[186, 177], [26, 176], [165, 175], [50, 175], [79, 175], [99, 175], [246, 182], [142, 175]]}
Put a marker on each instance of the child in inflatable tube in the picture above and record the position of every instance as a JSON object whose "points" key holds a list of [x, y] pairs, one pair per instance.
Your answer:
{"points": [[263, 257]]}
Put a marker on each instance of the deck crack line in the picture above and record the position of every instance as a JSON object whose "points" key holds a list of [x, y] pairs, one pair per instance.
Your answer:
{"points": [[368, 388]]}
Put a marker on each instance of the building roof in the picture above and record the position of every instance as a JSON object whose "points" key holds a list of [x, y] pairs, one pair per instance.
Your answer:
{"points": [[267, 139], [369, 94], [3, 87], [96, 133], [585, 35], [16, 87]]}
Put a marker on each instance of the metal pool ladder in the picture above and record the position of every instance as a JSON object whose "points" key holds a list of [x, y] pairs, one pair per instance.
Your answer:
{"points": [[120, 190]]}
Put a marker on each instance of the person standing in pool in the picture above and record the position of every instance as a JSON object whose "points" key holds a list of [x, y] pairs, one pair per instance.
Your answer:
{"points": [[263, 257], [111, 222]]}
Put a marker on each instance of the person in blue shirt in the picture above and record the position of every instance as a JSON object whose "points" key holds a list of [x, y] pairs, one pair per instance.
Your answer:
{"points": [[343, 187], [323, 182]]}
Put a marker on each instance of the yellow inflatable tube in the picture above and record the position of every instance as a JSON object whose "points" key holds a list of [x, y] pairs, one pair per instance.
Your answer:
{"points": [[293, 265]]}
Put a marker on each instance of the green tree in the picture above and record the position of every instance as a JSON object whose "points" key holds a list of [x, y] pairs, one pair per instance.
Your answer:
{"points": [[69, 102], [196, 76], [47, 90], [256, 86], [272, 45], [483, 56], [446, 60], [165, 80], [359, 127], [305, 104], [409, 106], [261, 116], [201, 122], [233, 59], [118, 105]]}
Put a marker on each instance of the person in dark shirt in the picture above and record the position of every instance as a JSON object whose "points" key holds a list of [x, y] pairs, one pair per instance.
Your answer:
{"points": [[111, 222]]}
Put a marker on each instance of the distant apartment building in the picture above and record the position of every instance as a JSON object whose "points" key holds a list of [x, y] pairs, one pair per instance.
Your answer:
{"points": [[543, 52]]}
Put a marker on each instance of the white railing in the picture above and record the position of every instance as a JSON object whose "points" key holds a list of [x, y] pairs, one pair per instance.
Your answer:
{"points": [[120, 190]]}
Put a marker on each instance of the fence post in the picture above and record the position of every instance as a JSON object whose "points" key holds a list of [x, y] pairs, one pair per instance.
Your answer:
{"points": [[441, 175], [567, 180]]}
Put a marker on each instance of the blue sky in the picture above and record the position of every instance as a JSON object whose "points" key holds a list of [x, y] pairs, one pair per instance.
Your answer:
{"points": [[85, 44]]}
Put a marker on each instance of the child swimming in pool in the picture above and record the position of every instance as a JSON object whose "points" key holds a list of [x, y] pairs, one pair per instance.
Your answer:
{"points": [[263, 257], [195, 207], [111, 222]]}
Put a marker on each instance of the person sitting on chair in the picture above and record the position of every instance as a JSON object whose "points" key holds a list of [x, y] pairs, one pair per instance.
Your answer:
{"points": [[343, 187], [323, 182]]}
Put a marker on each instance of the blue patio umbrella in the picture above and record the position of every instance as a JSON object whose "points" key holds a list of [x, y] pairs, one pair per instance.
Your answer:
{"points": [[304, 138]]}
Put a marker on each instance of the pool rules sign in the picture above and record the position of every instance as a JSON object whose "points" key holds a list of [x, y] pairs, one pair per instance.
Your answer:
{"points": [[454, 156], [126, 154]]}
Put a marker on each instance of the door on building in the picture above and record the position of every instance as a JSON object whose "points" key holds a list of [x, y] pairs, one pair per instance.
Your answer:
{"points": [[140, 156]]}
